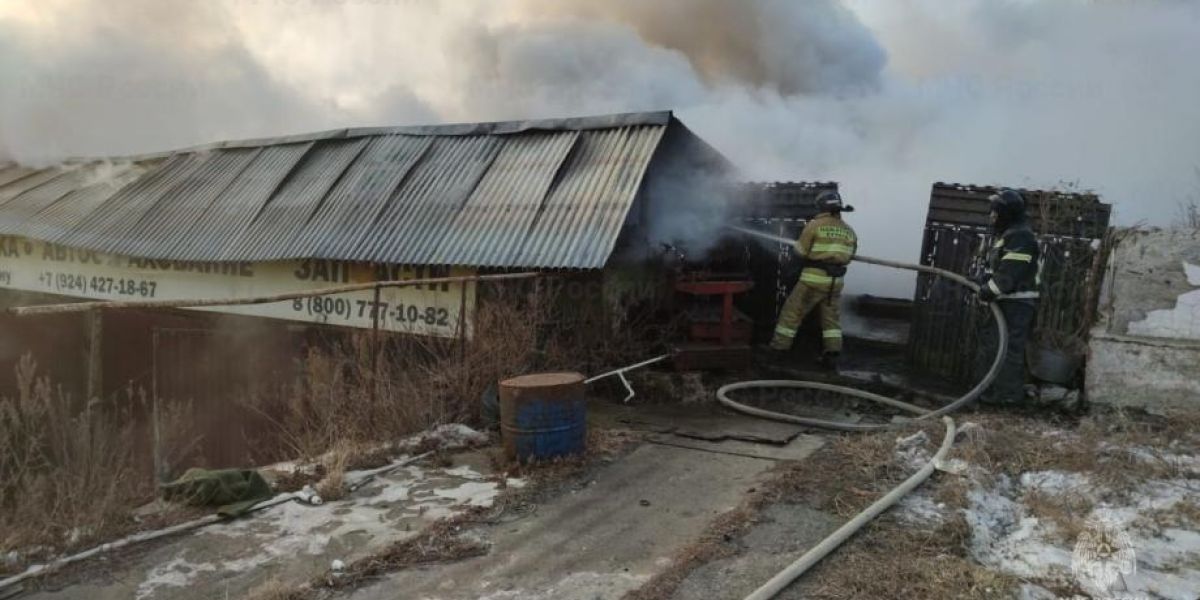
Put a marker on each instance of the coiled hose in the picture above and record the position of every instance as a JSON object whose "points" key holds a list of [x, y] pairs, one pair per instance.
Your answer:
{"points": [[797, 568]]}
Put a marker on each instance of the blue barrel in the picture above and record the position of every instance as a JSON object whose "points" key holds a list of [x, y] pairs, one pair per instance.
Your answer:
{"points": [[543, 415]]}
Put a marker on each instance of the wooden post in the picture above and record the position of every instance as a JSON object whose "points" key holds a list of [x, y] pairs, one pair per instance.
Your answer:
{"points": [[95, 362], [462, 324], [375, 347], [156, 449]]}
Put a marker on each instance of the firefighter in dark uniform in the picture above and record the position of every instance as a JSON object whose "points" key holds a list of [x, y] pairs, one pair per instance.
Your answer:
{"points": [[1012, 280]]}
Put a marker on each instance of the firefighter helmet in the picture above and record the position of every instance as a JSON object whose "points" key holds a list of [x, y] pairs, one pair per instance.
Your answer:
{"points": [[1009, 207], [831, 202]]}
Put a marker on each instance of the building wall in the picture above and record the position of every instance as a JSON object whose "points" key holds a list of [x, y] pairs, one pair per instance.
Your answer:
{"points": [[1145, 348]]}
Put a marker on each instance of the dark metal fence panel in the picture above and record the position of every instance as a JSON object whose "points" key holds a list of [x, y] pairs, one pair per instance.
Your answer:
{"points": [[951, 333], [781, 208]]}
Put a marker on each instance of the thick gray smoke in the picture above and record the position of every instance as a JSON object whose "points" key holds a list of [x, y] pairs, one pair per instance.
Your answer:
{"points": [[885, 96]]}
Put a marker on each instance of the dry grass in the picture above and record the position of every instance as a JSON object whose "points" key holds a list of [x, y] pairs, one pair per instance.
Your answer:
{"points": [[333, 485], [272, 589], [889, 559], [68, 472], [1068, 512], [1101, 445], [365, 388]]}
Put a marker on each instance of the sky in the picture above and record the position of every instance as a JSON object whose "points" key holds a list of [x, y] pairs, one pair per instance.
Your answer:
{"points": [[883, 96]]}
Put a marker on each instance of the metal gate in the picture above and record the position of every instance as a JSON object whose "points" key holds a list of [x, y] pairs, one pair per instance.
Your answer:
{"points": [[948, 337]]}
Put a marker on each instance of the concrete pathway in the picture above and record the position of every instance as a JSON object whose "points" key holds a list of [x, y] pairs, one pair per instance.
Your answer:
{"points": [[599, 541]]}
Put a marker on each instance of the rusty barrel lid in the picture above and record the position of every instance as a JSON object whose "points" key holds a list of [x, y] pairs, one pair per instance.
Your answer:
{"points": [[536, 380]]}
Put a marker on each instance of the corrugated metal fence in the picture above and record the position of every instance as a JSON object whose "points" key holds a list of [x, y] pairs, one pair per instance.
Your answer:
{"points": [[781, 208]]}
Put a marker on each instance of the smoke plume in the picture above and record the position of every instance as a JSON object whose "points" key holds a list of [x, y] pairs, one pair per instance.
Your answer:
{"points": [[884, 96]]}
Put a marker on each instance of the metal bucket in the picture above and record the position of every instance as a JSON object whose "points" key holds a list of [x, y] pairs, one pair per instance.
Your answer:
{"points": [[1055, 366], [543, 416]]}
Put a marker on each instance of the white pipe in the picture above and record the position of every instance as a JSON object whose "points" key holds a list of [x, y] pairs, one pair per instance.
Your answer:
{"points": [[620, 373], [629, 368]]}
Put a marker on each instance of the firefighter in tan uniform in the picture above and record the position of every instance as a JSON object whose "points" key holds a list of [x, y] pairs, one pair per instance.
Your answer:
{"points": [[825, 247]]}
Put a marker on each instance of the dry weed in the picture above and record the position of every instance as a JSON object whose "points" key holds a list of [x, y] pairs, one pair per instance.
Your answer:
{"points": [[368, 388], [274, 589], [68, 470], [333, 485], [893, 560], [1068, 512]]}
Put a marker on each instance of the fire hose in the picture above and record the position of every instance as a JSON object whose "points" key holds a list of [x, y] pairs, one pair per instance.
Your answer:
{"points": [[830, 543]]}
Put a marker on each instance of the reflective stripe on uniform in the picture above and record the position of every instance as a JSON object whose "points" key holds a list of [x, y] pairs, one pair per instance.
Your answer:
{"points": [[808, 276], [833, 247], [832, 333], [1021, 256], [998, 243], [1020, 295], [785, 331], [995, 288]]}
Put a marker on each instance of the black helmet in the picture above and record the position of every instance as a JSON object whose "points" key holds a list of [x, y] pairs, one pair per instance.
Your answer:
{"points": [[831, 202], [1009, 207]]}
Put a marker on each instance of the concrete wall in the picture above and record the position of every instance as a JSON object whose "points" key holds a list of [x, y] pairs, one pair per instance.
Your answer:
{"points": [[1145, 348]]}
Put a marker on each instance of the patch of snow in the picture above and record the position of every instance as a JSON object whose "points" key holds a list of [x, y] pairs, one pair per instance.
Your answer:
{"points": [[956, 466], [911, 450], [465, 472], [1029, 591], [376, 511], [1192, 272], [472, 493], [1185, 463], [919, 508], [448, 437], [1058, 483], [1006, 537], [177, 573], [576, 586]]}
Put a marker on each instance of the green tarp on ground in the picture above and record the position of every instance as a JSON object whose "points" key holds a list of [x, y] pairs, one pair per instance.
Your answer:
{"points": [[232, 491]]}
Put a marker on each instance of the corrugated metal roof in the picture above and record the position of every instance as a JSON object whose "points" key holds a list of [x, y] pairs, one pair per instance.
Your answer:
{"points": [[546, 194]]}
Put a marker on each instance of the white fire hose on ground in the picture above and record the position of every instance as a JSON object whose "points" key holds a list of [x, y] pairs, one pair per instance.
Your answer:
{"points": [[810, 558]]}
